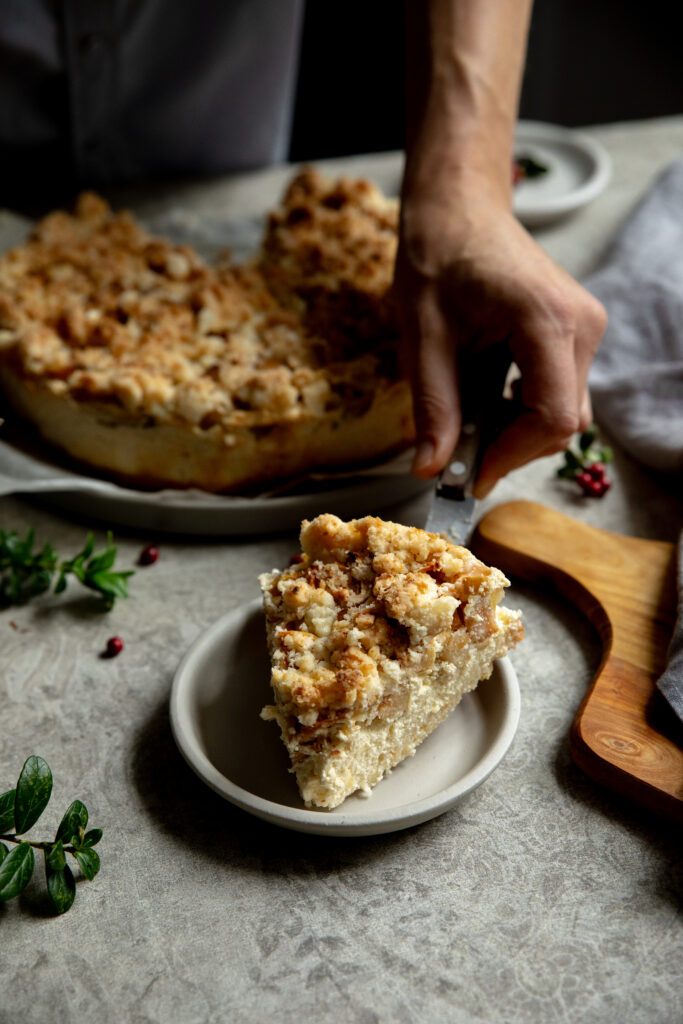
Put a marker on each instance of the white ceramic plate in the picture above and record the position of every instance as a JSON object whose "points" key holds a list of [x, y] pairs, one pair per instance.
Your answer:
{"points": [[579, 168], [200, 513], [221, 686]]}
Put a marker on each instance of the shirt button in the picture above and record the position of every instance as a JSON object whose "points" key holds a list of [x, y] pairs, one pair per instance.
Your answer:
{"points": [[90, 44]]}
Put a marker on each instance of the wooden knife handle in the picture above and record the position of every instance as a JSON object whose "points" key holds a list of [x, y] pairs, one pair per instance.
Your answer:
{"points": [[624, 734]]}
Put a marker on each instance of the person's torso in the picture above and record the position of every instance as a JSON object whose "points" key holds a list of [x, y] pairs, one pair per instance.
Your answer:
{"points": [[98, 91]]}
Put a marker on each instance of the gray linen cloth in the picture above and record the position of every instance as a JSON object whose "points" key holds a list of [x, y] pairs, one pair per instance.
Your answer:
{"points": [[636, 380]]}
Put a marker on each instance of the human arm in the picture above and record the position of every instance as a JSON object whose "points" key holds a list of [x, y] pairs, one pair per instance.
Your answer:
{"points": [[471, 283]]}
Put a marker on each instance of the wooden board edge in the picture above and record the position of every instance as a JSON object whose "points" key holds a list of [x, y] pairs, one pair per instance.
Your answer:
{"points": [[614, 778]]}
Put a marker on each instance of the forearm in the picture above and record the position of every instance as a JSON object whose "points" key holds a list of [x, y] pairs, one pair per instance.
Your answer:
{"points": [[473, 290], [464, 68]]}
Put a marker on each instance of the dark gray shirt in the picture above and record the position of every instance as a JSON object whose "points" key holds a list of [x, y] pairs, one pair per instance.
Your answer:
{"points": [[94, 92]]}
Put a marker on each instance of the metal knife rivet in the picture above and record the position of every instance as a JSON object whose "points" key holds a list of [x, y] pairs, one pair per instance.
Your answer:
{"points": [[458, 468]]}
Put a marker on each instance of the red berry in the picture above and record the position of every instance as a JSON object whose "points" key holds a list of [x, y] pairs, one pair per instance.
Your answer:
{"points": [[114, 647], [597, 471], [588, 485], [594, 488], [148, 555]]}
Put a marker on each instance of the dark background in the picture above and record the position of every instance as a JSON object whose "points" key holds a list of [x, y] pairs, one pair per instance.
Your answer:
{"points": [[589, 62]]}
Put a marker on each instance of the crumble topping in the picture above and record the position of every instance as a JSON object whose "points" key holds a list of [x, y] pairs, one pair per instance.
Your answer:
{"points": [[330, 251], [98, 309], [371, 604]]}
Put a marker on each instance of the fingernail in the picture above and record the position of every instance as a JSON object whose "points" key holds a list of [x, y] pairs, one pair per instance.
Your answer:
{"points": [[424, 458]]}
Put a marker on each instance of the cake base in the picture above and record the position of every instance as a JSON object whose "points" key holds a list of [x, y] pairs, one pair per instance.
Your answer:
{"points": [[369, 752], [131, 450]]}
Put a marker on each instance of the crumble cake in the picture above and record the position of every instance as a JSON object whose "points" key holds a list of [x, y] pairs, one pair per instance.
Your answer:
{"points": [[375, 635], [140, 360]]}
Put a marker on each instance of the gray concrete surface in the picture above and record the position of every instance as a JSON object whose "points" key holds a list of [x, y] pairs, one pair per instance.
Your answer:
{"points": [[538, 898]]}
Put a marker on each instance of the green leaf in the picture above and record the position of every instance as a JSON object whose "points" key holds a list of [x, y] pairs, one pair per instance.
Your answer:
{"points": [[21, 548], [567, 473], [7, 811], [77, 567], [38, 583], [89, 862], [103, 561], [33, 793], [61, 888], [3, 852], [110, 584], [572, 460], [89, 546], [15, 871], [587, 438], [75, 819], [60, 585], [55, 856], [530, 167], [92, 837], [48, 556], [78, 561]]}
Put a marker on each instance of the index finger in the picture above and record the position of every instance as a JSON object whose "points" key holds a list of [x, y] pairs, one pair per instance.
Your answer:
{"points": [[432, 365], [548, 415]]}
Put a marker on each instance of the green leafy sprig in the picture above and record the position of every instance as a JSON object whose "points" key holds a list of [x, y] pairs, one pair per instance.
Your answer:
{"points": [[590, 451], [530, 167], [585, 466], [27, 570], [20, 809]]}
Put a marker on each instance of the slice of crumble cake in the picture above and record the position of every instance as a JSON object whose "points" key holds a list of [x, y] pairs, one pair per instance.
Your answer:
{"points": [[375, 635]]}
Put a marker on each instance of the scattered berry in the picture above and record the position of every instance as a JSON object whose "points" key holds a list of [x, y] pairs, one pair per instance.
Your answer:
{"points": [[148, 555], [114, 647]]}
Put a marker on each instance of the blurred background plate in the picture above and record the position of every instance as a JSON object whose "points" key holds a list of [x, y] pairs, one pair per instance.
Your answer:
{"points": [[579, 169]]}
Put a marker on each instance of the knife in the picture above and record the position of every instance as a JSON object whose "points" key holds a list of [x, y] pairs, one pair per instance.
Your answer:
{"points": [[453, 505]]}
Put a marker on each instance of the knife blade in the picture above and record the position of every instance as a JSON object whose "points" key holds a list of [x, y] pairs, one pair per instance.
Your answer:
{"points": [[452, 508]]}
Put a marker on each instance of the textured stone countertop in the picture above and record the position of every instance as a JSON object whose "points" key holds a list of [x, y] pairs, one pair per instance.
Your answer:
{"points": [[538, 898]]}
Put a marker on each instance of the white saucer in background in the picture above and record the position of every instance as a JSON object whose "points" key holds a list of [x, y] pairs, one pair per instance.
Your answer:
{"points": [[221, 686], [579, 169]]}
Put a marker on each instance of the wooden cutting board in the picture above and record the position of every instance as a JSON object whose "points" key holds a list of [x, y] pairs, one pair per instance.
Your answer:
{"points": [[625, 736]]}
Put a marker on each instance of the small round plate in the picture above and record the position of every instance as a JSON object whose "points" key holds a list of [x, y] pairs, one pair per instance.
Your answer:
{"points": [[579, 168], [223, 682]]}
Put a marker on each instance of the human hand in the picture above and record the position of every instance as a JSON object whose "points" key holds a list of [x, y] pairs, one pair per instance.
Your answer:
{"points": [[473, 288]]}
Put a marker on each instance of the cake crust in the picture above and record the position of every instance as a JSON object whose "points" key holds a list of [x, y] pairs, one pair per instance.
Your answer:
{"points": [[375, 636]]}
